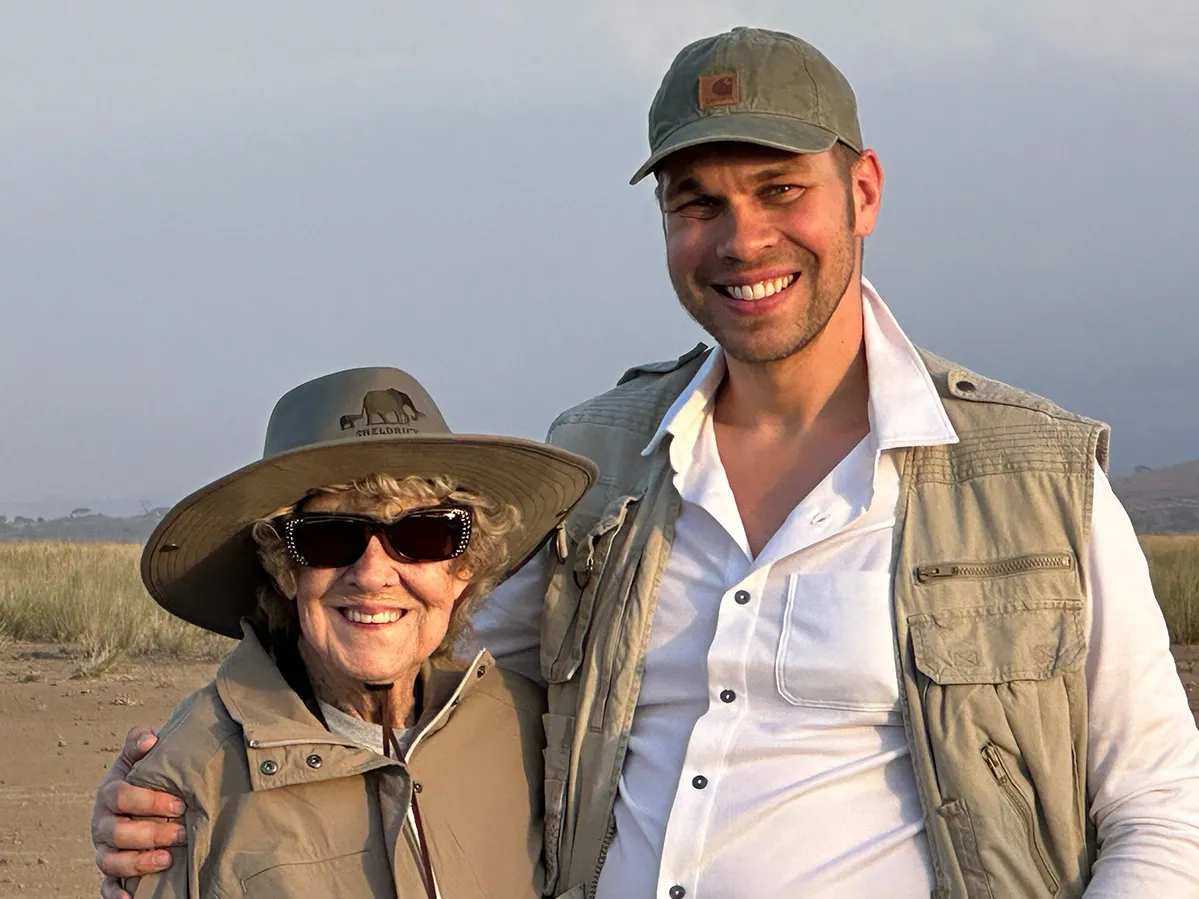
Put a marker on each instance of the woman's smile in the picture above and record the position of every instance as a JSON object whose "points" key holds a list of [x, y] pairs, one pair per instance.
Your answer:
{"points": [[368, 616]]}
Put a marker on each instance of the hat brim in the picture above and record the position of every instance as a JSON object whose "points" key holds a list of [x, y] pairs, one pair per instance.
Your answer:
{"points": [[201, 563], [763, 129]]}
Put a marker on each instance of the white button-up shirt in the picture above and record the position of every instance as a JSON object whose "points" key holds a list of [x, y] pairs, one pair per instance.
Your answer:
{"points": [[767, 755]]}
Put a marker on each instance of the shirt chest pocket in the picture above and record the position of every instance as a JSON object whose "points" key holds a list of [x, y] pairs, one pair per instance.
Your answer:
{"points": [[836, 643]]}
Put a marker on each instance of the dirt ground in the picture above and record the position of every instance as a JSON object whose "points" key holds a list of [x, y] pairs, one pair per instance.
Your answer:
{"points": [[57, 738], [61, 734]]}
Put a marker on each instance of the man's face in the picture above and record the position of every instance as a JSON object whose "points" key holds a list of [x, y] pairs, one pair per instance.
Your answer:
{"points": [[761, 244]]}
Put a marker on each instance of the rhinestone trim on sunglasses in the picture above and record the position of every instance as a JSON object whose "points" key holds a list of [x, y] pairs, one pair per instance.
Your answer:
{"points": [[457, 512]]}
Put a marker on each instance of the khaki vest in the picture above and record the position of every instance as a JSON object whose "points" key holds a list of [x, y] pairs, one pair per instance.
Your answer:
{"points": [[989, 598]]}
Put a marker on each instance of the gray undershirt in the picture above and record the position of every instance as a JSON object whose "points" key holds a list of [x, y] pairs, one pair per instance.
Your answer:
{"points": [[359, 732]]}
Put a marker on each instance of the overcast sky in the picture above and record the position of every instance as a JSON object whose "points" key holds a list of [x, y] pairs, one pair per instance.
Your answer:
{"points": [[202, 205]]}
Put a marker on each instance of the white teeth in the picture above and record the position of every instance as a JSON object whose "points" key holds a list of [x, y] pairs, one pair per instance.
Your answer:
{"points": [[761, 290], [378, 618]]}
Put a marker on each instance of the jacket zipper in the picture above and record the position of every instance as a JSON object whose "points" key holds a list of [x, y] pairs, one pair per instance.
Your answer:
{"points": [[1018, 565], [446, 709], [994, 760], [603, 856], [275, 744]]}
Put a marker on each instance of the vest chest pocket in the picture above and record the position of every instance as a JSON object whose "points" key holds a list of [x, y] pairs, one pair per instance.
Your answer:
{"points": [[575, 585], [997, 710], [1014, 640]]}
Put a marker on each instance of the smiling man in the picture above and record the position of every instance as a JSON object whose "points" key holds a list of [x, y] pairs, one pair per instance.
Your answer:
{"points": [[841, 618]]}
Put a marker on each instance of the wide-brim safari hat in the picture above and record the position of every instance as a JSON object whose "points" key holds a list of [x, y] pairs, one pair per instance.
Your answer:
{"points": [[201, 562]]}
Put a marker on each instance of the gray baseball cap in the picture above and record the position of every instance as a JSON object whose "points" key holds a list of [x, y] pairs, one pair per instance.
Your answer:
{"points": [[751, 86]]}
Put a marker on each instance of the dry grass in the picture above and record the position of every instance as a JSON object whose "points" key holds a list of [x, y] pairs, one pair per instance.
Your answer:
{"points": [[89, 596], [1174, 566]]}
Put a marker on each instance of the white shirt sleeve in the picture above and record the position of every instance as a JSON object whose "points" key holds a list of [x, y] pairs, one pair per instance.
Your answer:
{"points": [[508, 623], [1143, 746]]}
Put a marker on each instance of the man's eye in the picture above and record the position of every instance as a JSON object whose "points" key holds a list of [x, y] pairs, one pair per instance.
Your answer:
{"points": [[700, 207], [783, 190]]}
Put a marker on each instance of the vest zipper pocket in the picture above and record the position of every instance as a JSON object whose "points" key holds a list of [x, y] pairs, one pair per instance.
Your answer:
{"points": [[1016, 798], [1004, 568]]}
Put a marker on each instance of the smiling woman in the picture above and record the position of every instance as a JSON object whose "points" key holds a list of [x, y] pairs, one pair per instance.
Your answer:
{"points": [[350, 562], [377, 575]]}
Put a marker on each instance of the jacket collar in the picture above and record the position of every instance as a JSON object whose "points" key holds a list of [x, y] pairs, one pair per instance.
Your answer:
{"points": [[279, 726], [905, 407]]}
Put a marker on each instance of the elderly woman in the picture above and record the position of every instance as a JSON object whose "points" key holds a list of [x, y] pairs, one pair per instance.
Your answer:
{"points": [[343, 748]]}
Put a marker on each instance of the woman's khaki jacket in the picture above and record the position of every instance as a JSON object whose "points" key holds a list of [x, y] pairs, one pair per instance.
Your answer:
{"points": [[278, 806]]}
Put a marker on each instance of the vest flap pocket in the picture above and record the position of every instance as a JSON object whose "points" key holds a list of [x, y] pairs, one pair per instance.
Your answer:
{"points": [[573, 589], [1031, 640]]}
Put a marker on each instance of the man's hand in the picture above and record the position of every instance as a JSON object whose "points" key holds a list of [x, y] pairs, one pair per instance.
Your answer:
{"points": [[132, 826]]}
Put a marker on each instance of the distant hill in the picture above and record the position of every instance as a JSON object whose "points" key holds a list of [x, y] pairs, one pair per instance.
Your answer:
{"points": [[81, 527], [1162, 500]]}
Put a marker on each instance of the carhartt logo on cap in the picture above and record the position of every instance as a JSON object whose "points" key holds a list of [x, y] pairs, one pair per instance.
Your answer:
{"points": [[718, 90], [387, 406]]}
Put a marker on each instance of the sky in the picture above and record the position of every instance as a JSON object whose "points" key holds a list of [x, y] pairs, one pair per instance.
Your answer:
{"points": [[203, 205]]}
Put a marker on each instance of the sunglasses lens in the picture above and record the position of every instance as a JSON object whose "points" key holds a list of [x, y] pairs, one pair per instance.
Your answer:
{"points": [[432, 536], [329, 542]]}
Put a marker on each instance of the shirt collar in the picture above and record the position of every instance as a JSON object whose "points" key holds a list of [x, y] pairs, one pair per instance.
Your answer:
{"points": [[905, 409]]}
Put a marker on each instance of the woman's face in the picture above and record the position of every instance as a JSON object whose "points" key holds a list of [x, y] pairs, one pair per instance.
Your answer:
{"points": [[406, 607]]}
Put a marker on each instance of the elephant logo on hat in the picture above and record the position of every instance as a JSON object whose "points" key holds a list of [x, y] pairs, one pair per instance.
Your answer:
{"points": [[389, 406]]}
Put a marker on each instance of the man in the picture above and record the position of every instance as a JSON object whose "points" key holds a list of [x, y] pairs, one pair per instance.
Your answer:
{"points": [[841, 618]]}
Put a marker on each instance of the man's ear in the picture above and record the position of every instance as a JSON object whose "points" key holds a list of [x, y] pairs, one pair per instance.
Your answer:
{"points": [[866, 182]]}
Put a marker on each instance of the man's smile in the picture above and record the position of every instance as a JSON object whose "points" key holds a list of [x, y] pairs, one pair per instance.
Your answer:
{"points": [[757, 290]]}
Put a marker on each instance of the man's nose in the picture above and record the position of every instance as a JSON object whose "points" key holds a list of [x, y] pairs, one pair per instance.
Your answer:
{"points": [[375, 569], [746, 233]]}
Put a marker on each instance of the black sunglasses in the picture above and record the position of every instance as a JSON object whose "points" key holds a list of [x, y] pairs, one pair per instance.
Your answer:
{"points": [[333, 540]]}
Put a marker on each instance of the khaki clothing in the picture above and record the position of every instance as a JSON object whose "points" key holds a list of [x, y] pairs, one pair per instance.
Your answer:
{"points": [[279, 806], [989, 604]]}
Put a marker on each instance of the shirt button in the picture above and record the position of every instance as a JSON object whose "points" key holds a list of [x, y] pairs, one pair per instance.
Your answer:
{"points": [[742, 597], [677, 892], [699, 781], [727, 695]]}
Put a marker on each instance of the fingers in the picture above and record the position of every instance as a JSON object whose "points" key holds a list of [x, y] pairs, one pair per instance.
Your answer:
{"points": [[123, 799], [114, 832], [113, 863], [138, 742], [110, 888]]}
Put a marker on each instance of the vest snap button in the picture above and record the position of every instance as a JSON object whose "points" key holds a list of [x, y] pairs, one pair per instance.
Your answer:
{"points": [[416, 787], [313, 761], [269, 767]]}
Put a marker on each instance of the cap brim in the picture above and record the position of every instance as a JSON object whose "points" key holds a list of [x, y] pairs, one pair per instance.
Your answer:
{"points": [[201, 563], [762, 129]]}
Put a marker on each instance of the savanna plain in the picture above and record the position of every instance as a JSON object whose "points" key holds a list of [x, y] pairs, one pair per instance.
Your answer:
{"points": [[85, 654]]}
